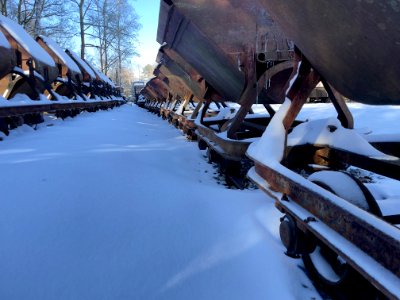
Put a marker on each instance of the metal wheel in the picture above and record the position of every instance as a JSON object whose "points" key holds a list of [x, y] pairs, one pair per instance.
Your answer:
{"points": [[202, 144], [326, 266], [212, 156], [323, 264]]}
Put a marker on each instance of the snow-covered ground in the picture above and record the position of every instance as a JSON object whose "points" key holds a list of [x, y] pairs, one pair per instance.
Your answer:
{"points": [[118, 205]]}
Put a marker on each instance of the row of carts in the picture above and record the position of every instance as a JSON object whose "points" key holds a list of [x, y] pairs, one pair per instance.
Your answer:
{"points": [[37, 76], [221, 62]]}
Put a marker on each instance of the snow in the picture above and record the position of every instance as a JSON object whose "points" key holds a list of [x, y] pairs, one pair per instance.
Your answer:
{"points": [[99, 74], [24, 100], [330, 132], [373, 120], [118, 205], [3, 41], [320, 118], [26, 41], [82, 63], [343, 186], [274, 134], [268, 151], [61, 54], [103, 77], [370, 266], [181, 107]]}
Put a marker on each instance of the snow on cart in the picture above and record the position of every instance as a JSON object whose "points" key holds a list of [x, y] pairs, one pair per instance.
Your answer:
{"points": [[38, 77], [326, 177], [252, 68]]}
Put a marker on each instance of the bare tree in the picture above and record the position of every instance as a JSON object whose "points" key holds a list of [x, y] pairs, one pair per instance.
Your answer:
{"points": [[114, 33], [3, 7], [110, 27], [48, 17], [83, 9]]}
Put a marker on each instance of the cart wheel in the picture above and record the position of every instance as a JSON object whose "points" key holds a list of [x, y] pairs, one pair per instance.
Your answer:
{"points": [[211, 155], [202, 144], [323, 264], [229, 167]]}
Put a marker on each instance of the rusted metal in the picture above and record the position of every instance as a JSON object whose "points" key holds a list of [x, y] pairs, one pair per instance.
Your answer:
{"points": [[158, 89], [194, 30], [229, 149], [190, 43], [236, 25], [63, 68], [173, 55], [39, 66], [305, 81], [355, 46], [172, 82], [7, 60], [344, 115], [287, 207], [389, 168], [376, 243], [41, 108], [86, 77], [172, 69], [277, 76], [23, 62], [356, 228]]}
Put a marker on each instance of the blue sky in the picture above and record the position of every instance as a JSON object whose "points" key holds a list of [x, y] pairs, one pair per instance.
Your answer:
{"points": [[148, 47]]}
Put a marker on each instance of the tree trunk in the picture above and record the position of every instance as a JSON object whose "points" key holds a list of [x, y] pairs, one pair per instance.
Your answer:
{"points": [[3, 7], [19, 12], [119, 55], [82, 27]]}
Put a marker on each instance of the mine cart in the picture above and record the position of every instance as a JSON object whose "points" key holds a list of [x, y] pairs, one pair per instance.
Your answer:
{"points": [[157, 92], [343, 225], [88, 76], [69, 74], [7, 61], [32, 68], [252, 68], [182, 80], [102, 85], [137, 87]]}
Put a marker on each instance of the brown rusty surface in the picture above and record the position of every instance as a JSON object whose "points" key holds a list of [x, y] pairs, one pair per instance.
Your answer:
{"points": [[149, 93], [30, 109], [183, 37], [85, 75], [389, 168], [344, 115], [305, 81], [192, 81], [181, 79], [171, 54], [376, 243], [234, 25], [7, 61], [175, 85], [58, 60], [25, 55], [354, 45], [157, 88], [231, 149], [287, 208]]}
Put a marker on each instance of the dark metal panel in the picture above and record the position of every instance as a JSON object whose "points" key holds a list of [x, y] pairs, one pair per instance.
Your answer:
{"points": [[172, 69], [355, 45], [234, 25], [376, 243], [157, 88], [200, 52], [175, 85]]}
